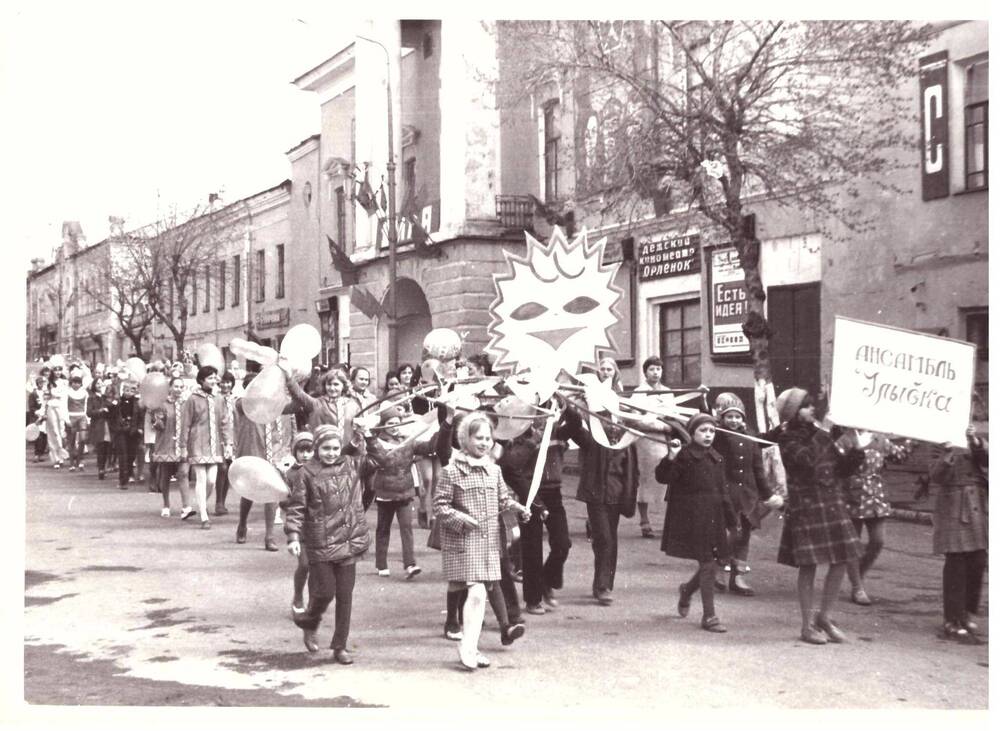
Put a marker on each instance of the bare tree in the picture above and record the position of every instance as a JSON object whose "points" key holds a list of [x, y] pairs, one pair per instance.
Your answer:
{"points": [[62, 295], [118, 289], [698, 116], [169, 259]]}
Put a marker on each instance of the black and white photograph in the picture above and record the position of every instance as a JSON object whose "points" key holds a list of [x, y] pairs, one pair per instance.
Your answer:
{"points": [[562, 371]]}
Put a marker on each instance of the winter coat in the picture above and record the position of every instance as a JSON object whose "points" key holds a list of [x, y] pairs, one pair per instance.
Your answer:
{"points": [[98, 411], [517, 463], [202, 424], [961, 509], [324, 511], [745, 479], [394, 465], [271, 441], [339, 412], [471, 492], [595, 461], [125, 415], [168, 446], [817, 526], [699, 510]]}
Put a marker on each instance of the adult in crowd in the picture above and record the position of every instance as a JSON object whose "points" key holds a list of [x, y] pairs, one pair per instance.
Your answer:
{"points": [[202, 429], [649, 452]]}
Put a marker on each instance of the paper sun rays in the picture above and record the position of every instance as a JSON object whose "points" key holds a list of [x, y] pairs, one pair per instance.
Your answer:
{"points": [[553, 310]]}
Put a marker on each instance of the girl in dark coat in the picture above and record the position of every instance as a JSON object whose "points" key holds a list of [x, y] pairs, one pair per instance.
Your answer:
{"points": [[324, 511], [746, 485], [818, 528], [698, 513]]}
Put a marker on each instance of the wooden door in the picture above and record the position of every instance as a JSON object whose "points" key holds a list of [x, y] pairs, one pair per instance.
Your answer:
{"points": [[793, 312]]}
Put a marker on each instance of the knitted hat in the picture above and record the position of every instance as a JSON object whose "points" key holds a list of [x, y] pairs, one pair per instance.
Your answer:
{"points": [[324, 433], [788, 403], [301, 438], [728, 402], [393, 412], [698, 419]]}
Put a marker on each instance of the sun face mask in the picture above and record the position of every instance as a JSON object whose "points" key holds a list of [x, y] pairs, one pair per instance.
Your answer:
{"points": [[553, 310]]}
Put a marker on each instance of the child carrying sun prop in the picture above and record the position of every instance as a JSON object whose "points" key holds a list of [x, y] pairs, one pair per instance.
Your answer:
{"points": [[554, 310]]}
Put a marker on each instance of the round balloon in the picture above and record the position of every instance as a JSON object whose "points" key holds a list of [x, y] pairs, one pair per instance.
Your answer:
{"points": [[57, 361], [153, 390], [266, 396], [32, 432], [442, 343], [210, 355], [513, 417], [136, 367], [302, 343], [253, 351], [257, 479]]}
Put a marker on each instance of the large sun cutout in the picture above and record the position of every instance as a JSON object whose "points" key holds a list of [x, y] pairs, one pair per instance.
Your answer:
{"points": [[553, 310]]}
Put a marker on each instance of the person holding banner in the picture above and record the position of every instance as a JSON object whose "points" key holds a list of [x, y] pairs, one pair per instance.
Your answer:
{"points": [[818, 529], [468, 500], [961, 524]]}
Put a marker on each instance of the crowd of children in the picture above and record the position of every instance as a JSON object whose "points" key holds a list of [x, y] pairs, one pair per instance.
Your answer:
{"points": [[341, 447]]}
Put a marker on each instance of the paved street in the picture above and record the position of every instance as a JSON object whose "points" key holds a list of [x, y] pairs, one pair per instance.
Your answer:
{"points": [[185, 616]]}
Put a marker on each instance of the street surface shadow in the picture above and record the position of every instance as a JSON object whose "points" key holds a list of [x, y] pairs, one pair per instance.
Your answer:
{"points": [[252, 661], [208, 629], [34, 578], [163, 658], [111, 568], [155, 600], [41, 601], [905, 606], [162, 618]]}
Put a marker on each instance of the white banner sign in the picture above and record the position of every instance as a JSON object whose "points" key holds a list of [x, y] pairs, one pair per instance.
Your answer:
{"points": [[901, 382]]}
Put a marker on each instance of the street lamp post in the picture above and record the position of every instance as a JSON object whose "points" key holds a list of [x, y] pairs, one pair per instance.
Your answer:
{"points": [[390, 169]]}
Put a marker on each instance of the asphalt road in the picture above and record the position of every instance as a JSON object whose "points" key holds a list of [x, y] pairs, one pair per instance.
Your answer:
{"points": [[123, 607]]}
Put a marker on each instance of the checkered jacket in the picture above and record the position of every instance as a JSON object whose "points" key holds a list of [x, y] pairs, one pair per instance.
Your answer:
{"points": [[478, 492]]}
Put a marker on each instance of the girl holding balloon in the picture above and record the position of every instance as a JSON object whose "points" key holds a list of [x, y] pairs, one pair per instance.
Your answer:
{"points": [[202, 424], [334, 407]]}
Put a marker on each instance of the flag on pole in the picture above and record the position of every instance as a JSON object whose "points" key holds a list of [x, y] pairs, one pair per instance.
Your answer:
{"points": [[363, 192]]}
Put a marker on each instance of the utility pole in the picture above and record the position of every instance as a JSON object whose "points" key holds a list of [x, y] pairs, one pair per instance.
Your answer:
{"points": [[390, 169]]}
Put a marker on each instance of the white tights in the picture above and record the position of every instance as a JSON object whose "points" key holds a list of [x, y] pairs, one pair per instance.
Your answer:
{"points": [[473, 613], [204, 480]]}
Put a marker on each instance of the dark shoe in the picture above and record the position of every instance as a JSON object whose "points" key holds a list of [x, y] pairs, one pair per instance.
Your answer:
{"points": [[453, 633], [511, 633], [309, 640], [960, 634], [343, 657], [833, 632], [187, 513], [241, 534], [813, 636], [221, 510], [860, 596], [604, 598], [412, 571], [684, 602], [738, 585], [534, 608], [100, 474], [720, 580], [123, 487], [270, 544], [712, 624], [647, 532]]}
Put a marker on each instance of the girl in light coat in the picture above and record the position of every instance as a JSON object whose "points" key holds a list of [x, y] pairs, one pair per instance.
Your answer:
{"points": [[202, 424]]}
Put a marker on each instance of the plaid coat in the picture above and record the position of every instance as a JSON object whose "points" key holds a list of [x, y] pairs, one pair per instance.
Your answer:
{"points": [[817, 527], [471, 491], [961, 516]]}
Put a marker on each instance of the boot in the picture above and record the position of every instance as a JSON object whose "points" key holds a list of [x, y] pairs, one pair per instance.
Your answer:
{"points": [[720, 578], [738, 583]]}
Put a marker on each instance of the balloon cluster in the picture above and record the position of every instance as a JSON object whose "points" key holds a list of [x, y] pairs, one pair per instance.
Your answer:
{"points": [[267, 396]]}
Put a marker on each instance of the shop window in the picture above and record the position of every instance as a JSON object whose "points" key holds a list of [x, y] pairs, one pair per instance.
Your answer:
{"points": [[236, 280], [221, 304], [279, 286], [551, 135], [680, 342], [977, 126]]}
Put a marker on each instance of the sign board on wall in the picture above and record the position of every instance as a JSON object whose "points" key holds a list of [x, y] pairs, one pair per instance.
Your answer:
{"points": [[934, 125], [429, 218], [729, 303], [662, 256], [901, 382], [273, 318]]}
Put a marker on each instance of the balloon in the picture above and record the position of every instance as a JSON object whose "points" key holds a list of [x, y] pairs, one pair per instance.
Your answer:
{"points": [[31, 432], [136, 367], [430, 370], [443, 344], [266, 396], [153, 390], [302, 343], [57, 361], [210, 355], [508, 427], [257, 479], [252, 351]]}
